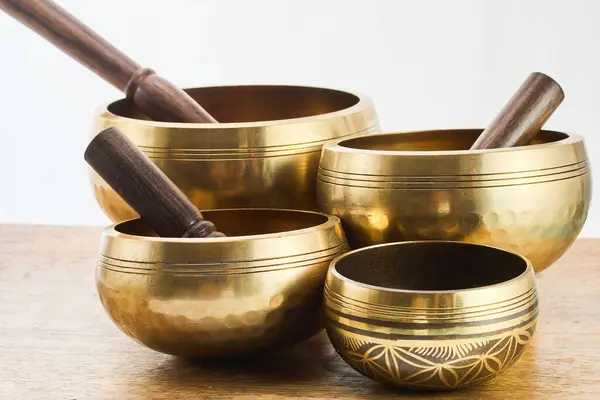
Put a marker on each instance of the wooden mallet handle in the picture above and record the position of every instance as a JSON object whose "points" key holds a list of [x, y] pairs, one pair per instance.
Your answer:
{"points": [[145, 187], [524, 115], [155, 96]]}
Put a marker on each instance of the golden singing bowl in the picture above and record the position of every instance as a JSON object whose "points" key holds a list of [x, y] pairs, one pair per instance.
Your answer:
{"points": [[258, 289], [532, 199], [264, 152], [431, 314]]}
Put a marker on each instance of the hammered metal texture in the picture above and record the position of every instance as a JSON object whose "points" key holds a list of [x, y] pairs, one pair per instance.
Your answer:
{"points": [[428, 339], [264, 152], [533, 199], [257, 290]]}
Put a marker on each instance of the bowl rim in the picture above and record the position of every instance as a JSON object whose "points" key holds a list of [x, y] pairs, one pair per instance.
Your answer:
{"points": [[364, 101], [330, 222], [336, 146], [334, 272]]}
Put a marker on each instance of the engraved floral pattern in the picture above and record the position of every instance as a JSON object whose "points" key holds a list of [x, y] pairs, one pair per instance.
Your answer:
{"points": [[435, 367]]}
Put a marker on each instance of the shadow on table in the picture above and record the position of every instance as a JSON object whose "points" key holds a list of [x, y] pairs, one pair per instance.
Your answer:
{"points": [[303, 362], [309, 369]]}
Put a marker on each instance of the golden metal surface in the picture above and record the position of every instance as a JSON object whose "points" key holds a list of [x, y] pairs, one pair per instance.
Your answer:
{"points": [[430, 314], [532, 200], [264, 153], [258, 289]]}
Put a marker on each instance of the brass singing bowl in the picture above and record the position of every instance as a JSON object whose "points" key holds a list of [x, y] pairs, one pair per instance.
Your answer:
{"points": [[264, 152], [423, 185], [432, 314], [258, 289]]}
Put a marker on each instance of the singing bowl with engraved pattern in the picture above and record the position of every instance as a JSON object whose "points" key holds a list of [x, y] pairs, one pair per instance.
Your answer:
{"points": [[430, 314], [263, 153], [258, 289], [423, 185]]}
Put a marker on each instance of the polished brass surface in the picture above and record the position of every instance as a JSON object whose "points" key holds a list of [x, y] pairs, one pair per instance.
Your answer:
{"points": [[430, 314], [423, 185], [264, 152], [258, 289]]}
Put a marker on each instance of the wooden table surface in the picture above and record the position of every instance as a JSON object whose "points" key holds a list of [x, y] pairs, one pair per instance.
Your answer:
{"points": [[57, 343]]}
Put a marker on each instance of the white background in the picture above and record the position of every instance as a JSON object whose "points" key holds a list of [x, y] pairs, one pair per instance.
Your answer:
{"points": [[426, 64]]}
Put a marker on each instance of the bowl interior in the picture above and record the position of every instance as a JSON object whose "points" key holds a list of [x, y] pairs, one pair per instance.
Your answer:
{"points": [[234, 104], [241, 222], [430, 266], [435, 140]]}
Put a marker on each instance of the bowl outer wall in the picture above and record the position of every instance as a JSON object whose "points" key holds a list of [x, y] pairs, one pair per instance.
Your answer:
{"points": [[270, 164], [533, 199]]}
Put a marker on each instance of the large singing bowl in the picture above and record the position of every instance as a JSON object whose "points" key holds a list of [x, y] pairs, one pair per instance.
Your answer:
{"points": [[264, 152], [532, 199]]}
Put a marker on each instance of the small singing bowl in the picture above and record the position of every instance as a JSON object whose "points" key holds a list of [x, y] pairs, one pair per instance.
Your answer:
{"points": [[424, 185], [430, 315], [259, 289], [263, 153]]}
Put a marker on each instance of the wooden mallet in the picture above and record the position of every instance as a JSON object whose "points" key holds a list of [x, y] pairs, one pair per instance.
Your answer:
{"points": [[523, 116], [156, 97], [145, 187]]}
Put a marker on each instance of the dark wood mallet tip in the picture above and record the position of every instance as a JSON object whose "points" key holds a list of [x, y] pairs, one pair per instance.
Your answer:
{"points": [[145, 187], [524, 115]]}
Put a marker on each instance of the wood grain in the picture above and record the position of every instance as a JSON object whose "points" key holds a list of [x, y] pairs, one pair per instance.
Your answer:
{"points": [[131, 174], [154, 95], [524, 115], [57, 343]]}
